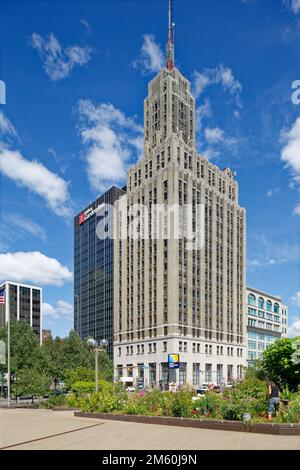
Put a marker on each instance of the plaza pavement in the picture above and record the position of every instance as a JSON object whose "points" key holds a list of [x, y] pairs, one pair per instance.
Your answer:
{"points": [[47, 429]]}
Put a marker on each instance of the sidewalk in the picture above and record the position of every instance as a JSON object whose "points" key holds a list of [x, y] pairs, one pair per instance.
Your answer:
{"points": [[42, 429]]}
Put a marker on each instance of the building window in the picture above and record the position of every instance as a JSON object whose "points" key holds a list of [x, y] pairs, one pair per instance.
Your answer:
{"points": [[261, 302], [269, 305], [182, 373], [165, 346], [196, 374], [152, 374], [251, 299], [208, 372]]}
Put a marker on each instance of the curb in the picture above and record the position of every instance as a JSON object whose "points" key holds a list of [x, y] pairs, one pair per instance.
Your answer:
{"points": [[238, 426]]}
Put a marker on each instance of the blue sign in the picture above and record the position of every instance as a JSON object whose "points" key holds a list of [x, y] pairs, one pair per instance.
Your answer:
{"points": [[173, 361]]}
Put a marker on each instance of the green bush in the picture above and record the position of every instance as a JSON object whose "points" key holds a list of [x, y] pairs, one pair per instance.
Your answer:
{"points": [[182, 404], [231, 411], [209, 405], [59, 400], [291, 412], [80, 387]]}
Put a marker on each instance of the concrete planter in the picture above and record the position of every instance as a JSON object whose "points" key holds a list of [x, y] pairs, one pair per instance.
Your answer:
{"points": [[222, 425]]}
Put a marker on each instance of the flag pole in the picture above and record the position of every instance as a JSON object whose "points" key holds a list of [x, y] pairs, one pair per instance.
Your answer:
{"points": [[8, 347]]}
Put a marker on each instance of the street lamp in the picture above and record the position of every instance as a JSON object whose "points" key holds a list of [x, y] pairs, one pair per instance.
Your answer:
{"points": [[94, 346]]}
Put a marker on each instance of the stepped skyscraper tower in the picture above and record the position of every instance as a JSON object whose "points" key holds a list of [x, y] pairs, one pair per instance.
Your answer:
{"points": [[169, 299]]}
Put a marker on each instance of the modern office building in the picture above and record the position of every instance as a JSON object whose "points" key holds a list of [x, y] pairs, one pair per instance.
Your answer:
{"points": [[93, 273], [169, 298], [22, 302], [267, 320]]}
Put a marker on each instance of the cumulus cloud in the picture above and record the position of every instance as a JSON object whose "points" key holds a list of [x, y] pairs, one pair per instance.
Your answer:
{"points": [[290, 153], [34, 267], [37, 178], [111, 141], [59, 310], [6, 127], [219, 75], [151, 59], [58, 61]]}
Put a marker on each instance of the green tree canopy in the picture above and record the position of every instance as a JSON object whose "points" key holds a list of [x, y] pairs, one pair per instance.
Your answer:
{"points": [[25, 350], [31, 382], [279, 364]]}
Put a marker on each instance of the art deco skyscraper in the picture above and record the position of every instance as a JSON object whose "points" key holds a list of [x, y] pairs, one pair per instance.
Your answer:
{"points": [[167, 298]]}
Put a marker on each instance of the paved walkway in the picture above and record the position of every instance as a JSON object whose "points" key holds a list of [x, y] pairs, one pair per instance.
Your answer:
{"points": [[47, 429]]}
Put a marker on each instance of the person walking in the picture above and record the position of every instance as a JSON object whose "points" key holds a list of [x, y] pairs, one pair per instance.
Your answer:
{"points": [[274, 398]]}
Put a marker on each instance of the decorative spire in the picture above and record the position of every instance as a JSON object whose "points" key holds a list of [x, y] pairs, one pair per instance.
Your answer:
{"points": [[170, 44]]}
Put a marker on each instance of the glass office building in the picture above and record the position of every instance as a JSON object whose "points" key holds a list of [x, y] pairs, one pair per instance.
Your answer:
{"points": [[22, 302], [93, 271]]}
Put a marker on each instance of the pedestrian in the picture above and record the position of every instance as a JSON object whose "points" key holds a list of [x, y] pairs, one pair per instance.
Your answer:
{"points": [[274, 398]]}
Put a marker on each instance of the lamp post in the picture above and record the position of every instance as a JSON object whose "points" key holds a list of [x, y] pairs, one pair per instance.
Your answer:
{"points": [[94, 346]]}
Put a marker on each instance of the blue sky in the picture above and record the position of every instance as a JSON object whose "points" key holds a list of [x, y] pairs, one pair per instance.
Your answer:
{"points": [[76, 75]]}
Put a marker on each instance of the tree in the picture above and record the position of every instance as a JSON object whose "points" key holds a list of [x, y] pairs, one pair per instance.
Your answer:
{"points": [[278, 362], [31, 382], [25, 350], [53, 350]]}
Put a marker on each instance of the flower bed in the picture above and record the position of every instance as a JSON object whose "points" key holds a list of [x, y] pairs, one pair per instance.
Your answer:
{"points": [[223, 425], [248, 397]]}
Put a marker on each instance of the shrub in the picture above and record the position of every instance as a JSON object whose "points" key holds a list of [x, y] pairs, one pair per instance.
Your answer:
{"points": [[59, 400], [209, 405], [80, 387], [231, 411], [159, 403], [291, 412], [182, 404]]}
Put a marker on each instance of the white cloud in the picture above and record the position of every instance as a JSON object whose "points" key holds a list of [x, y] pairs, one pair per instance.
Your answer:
{"points": [[219, 75], [270, 253], [112, 139], [296, 299], [214, 135], [34, 267], [37, 178], [6, 127], [294, 328], [15, 226], [58, 62], [292, 5], [87, 25], [290, 153], [151, 59], [272, 192], [217, 140], [61, 309], [203, 111]]}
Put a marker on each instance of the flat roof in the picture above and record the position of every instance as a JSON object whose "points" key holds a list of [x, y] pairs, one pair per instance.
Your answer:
{"points": [[266, 294]]}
